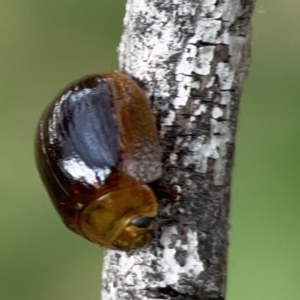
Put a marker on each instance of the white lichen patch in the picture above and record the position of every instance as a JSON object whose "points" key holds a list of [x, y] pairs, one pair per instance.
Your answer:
{"points": [[217, 112], [133, 271], [169, 120], [226, 75], [225, 98], [173, 270], [173, 158], [183, 95], [202, 109], [206, 55], [210, 83], [201, 148], [136, 270], [221, 136], [195, 85], [187, 61], [199, 152]]}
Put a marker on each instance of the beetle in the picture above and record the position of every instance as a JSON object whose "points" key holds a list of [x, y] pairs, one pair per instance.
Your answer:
{"points": [[96, 149]]}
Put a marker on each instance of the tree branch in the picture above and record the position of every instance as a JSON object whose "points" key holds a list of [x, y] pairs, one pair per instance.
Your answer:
{"points": [[191, 57]]}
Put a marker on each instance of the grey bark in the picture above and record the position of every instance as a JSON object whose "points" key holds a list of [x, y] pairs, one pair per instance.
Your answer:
{"points": [[191, 57]]}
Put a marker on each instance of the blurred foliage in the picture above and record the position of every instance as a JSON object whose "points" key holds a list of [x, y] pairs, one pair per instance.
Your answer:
{"points": [[47, 44]]}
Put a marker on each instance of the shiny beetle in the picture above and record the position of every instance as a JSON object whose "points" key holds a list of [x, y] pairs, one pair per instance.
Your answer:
{"points": [[96, 147]]}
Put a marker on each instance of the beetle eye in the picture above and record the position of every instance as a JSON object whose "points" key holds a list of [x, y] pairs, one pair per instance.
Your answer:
{"points": [[142, 222]]}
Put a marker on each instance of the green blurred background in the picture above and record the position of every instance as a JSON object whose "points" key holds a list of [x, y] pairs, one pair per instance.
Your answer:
{"points": [[45, 45]]}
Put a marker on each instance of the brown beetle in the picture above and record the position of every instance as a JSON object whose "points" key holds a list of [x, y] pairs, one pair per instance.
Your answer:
{"points": [[96, 147]]}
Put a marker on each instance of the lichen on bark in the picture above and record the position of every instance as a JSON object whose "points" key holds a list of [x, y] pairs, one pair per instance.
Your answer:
{"points": [[191, 58]]}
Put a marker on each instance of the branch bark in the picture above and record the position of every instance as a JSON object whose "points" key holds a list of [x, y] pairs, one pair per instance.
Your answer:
{"points": [[191, 57]]}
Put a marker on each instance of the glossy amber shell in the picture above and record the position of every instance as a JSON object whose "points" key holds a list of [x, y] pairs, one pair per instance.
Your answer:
{"points": [[97, 141]]}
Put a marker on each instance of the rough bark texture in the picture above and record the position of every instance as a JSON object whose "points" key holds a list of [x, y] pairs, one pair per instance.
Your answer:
{"points": [[191, 57]]}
